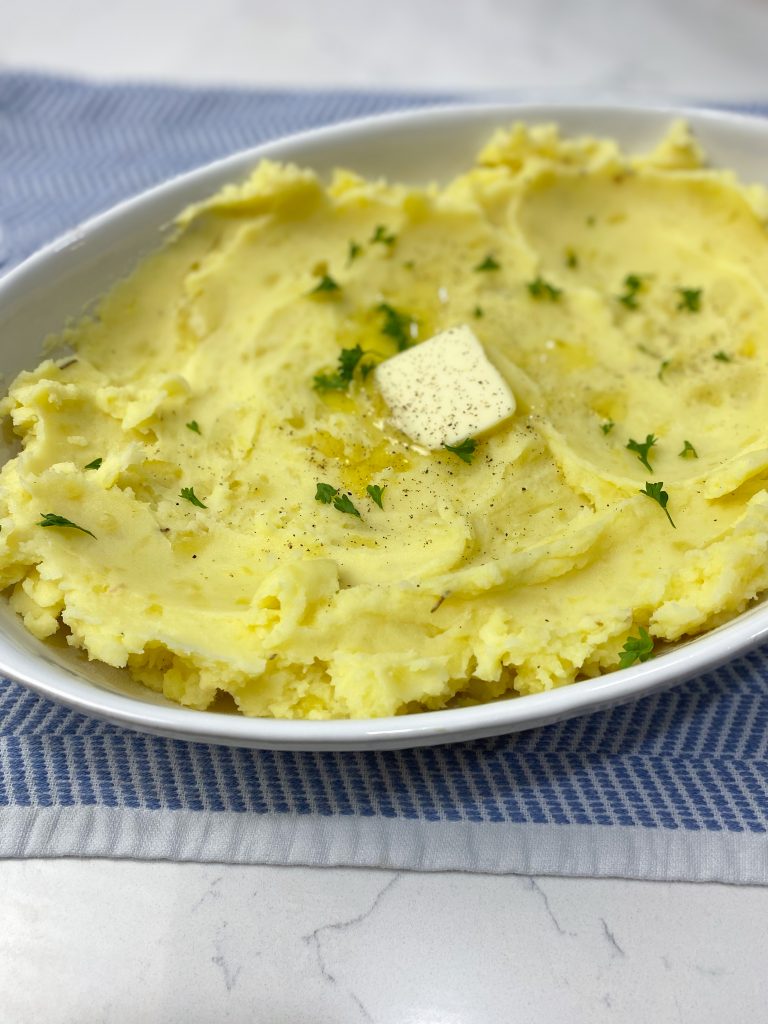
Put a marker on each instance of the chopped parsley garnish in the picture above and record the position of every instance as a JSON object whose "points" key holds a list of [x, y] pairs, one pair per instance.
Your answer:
{"points": [[489, 263], [722, 357], [409, 264], [325, 285], [348, 360], [478, 313], [96, 464], [353, 251], [465, 450], [396, 325], [339, 381], [329, 495], [633, 285], [642, 448], [690, 299], [637, 648], [571, 259], [51, 519], [382, 236], [607, 426], [541, 289], [194, 426], [376, 492], [325, 493], [688, 452], [655, 492], [343, 504], [663, 366], [188, 494], [329, 382]]}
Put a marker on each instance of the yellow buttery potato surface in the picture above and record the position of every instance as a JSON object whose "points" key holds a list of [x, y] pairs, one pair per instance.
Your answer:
{"points": [[525, 569]]}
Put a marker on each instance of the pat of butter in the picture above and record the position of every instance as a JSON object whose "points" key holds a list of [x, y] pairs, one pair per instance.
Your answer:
{"points": [[445, 389]]}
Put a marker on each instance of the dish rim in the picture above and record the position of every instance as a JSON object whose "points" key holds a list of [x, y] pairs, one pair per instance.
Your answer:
{"points": [[706, 652]]}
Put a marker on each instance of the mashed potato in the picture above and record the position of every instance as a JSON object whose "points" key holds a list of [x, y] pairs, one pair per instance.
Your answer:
{"points": [[176, 457]]}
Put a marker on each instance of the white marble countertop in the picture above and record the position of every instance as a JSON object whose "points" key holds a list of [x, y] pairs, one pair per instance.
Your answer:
{"points": [[120, 942], [128, 943]]}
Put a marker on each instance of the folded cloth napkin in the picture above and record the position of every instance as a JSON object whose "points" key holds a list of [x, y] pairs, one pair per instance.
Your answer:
{"points": [[674, 786]]}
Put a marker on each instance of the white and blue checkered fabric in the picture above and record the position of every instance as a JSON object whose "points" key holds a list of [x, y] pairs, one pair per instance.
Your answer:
{"points": [[673, 786]]}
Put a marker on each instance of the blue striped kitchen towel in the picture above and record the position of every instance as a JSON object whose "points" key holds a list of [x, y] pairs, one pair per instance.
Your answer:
{"points": [[674, 786]]}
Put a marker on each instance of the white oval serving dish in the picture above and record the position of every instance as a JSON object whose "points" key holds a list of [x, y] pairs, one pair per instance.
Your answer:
{"points": [[38, 296]]}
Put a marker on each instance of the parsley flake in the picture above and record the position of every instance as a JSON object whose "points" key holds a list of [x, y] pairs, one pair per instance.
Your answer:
{"points": [[376, 492], [353, 251], [51, 519], [188, 494], [348, 360], [690, 299], [194, 426], [342, 503], [541, 289], [465, 450], [325, 285], [655, 492], [607, 426], [328, 495], [636, 648], [478, 312], [329, 382], [642, 448], [339, 381], [722, 357], [325, 493], [688, 452], [396, 325], [633, 285], [662, 367], [96, 464], [571, 259], [489, 263], [382, 236]]}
